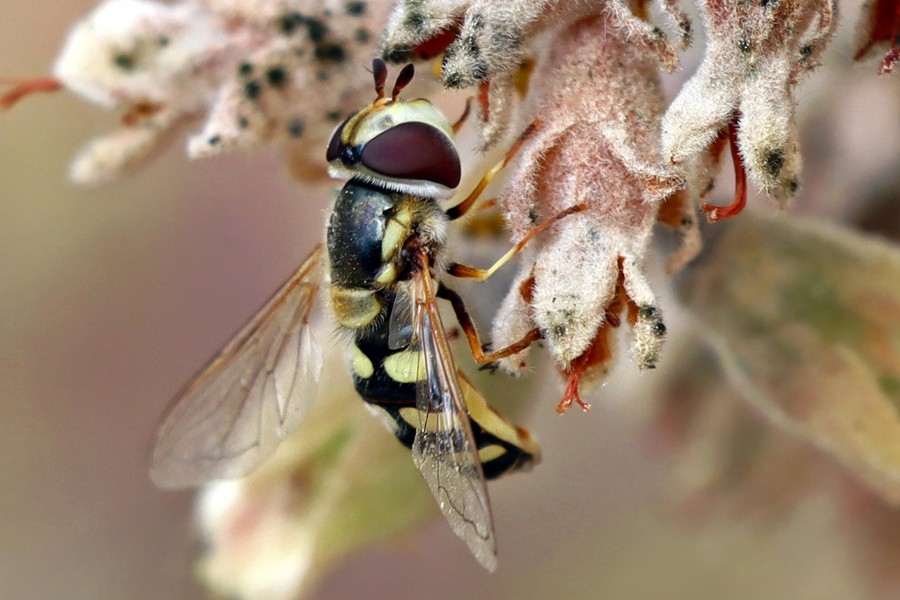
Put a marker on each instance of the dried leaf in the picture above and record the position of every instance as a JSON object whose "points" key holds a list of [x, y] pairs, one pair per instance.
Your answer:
{"points": [[726, 459], [806, 321]]}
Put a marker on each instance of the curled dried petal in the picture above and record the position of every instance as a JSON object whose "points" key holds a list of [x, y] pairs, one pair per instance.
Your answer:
{"points": [[879, 26]]}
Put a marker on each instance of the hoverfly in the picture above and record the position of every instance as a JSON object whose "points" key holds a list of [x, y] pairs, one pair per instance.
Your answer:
{"points": [[385, 239]]}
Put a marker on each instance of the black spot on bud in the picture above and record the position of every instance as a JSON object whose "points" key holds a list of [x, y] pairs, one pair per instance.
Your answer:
{"points": [[355, 8], [774, 162], [295, 128], [163, 41], [289, 22], [649, 312], [334, 115], [243, 123], [245, 69], [331, 52], [793, 186], [532, 215], [744, 45], [124, 61], [276, 76], [362, 35], [252, 90], [806, 51], [480, 71], [415, 20], [316, 29], [215, 140]]}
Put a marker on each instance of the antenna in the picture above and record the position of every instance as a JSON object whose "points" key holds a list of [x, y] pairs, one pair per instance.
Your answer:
{"points": [[403, 79], [379, 72]]}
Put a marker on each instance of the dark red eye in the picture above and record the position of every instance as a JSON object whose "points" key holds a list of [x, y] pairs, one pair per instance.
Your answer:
{"points": [[413, 150], [334, 146]]}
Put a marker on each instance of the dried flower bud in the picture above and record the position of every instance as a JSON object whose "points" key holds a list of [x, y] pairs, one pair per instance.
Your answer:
{"points": [[256, 72], [153, 60], [485, 42], [756, 52], [599, 102]]}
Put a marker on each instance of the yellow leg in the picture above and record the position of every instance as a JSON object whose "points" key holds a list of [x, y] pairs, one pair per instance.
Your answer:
{"points": [[467, 272], [463, 207], [468, 327]]}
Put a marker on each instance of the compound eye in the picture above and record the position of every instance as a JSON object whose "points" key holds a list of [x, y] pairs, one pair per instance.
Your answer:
{"points": [[413, 150], [334, 146]]}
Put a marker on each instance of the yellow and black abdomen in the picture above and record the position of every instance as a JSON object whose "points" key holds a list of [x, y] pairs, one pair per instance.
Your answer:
{"points": [[366, 234], [388, 378]]}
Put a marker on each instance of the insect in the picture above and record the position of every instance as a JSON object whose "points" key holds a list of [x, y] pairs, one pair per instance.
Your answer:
{"points": [[385, 242]]}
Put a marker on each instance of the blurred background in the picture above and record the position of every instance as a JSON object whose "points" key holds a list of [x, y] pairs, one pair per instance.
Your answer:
{"points": [[111, 298]]}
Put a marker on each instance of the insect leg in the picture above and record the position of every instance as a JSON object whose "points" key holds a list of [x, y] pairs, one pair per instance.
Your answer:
{"points": [[464, 271], [463, 207], [468, 327]]}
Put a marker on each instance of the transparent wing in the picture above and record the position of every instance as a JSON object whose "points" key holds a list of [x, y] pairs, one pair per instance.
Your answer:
{"points": [[444, 449], [252, 394], [401, 318]]}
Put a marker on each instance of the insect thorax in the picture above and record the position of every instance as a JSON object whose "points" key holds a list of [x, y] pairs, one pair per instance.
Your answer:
{"points": [[374, 237]]}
